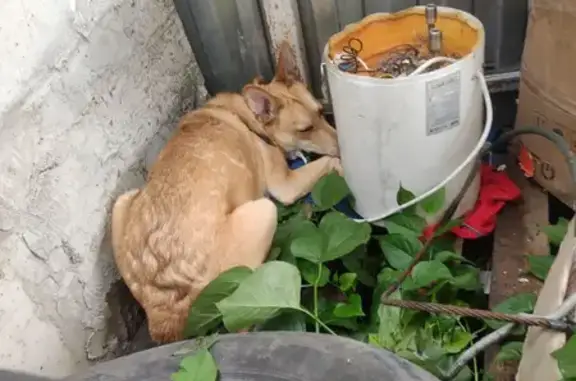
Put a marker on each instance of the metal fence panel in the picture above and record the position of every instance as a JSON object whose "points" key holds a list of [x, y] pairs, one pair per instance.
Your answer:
{"points": [[505, 22], [229, 37], [373, 6]]}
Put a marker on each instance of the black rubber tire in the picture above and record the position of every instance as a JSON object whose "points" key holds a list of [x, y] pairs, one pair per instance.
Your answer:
{"points": [[268, 356]]}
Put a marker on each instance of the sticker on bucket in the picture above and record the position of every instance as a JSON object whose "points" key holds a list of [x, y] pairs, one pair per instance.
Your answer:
{"points": [[442, 104]]}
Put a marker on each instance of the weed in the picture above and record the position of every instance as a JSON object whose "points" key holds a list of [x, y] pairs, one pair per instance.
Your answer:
{"points": [[326, 273]]}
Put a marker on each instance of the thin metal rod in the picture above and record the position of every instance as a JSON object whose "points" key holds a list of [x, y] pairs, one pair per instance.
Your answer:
{"points": [[498, 335]]}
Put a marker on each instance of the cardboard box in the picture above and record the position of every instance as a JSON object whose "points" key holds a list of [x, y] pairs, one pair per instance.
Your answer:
{"points": [[547, 94], [551, 168]]}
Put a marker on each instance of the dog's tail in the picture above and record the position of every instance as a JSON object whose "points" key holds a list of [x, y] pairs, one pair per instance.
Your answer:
{"points": [[166, 326]]}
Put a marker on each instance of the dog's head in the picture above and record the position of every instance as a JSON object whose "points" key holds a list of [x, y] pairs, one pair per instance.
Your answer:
{"points": [[288, 113]]}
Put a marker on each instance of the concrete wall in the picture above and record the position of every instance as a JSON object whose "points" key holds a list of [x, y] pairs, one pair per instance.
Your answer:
{"points": [[89, 90]]}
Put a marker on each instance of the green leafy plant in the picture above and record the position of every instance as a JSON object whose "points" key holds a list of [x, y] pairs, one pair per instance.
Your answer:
{"points": [[539, 265], [557, 231], [199, 366], [327, 272], [565, 357]]}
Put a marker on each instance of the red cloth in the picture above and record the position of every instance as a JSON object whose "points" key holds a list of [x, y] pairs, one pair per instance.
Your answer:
{"points": [[496, 189]]}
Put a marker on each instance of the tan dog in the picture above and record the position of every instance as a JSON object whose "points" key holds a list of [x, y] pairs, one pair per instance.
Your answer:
{"points": [[203, 209]]}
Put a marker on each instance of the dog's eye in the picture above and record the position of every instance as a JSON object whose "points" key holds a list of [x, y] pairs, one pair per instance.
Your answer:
{"points": [[309, 128]]}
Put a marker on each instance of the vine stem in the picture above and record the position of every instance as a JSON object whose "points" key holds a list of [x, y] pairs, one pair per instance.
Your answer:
{"points": [[318, 321]]}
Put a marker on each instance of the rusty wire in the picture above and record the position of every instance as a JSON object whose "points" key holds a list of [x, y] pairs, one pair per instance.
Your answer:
{"points": [[523, 319], [349, 59], [553, 321], [400, 60]]}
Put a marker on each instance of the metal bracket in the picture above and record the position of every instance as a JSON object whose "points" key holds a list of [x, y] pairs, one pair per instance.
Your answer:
{"points": [[501, 82]]}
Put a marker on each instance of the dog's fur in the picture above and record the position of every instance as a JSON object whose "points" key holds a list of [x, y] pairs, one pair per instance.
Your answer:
{"points": [[203, 209]]}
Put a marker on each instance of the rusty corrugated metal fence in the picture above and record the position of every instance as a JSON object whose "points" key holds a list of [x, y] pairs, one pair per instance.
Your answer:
{"points": [[234, 40]]}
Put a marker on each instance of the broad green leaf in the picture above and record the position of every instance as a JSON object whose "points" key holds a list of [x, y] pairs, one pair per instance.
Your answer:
{"points": [[540, 265], [292, 321], [565, 357], [314, 274], [329, 191], [448, 227], [400, 250], [433, 351], [355, 263], [309, 244], [466, 278], [457, 340], [204, 315], [353, 308], [447, 256], [385, 279], [519, 303], [326, 311], [428, 272], [387, 276], [285, 212], [434, 203], [199, 367], [408, 339], [409, 284], [273, 287], [286, 232], [344, 235], [405, 224], [445, 323], [464, 375], [347, 281], [274, 253], [556, 233], [446, 242], [510, 352], [389, 323], [403, 196]]}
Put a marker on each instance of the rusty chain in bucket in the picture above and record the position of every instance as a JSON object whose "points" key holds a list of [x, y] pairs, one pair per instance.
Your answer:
{"points": [[555, 321]]}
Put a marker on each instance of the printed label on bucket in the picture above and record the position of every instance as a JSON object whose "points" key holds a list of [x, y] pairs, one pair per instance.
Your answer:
{"points": [[442, 104]]}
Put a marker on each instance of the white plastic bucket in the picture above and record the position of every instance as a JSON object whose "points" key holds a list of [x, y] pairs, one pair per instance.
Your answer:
{"points": [[422, 132]]}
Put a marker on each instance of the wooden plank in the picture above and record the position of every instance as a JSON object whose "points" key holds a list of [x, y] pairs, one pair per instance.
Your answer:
{"points": [[518, 233], [536, 363], [373, 6], [282, 20]]}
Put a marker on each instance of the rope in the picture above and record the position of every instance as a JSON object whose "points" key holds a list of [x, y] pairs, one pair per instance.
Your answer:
{"points": [[523, 319]]}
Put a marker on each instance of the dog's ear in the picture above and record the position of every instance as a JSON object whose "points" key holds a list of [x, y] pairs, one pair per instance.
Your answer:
{"points": [[258, 80], [286, 67], [263, 104]]}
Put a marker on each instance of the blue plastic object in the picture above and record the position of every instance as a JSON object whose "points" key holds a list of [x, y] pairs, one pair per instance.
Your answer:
{"points": [[343, 206]]}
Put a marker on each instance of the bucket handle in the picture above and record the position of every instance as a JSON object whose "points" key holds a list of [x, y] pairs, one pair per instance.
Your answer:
{"points": [[487, 127]]}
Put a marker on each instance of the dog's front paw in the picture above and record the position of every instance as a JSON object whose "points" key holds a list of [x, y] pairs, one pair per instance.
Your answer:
{"points": [[337, 165]]}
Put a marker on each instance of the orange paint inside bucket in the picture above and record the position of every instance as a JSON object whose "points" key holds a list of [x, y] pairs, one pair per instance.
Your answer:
{"points": [[381, 32]]}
